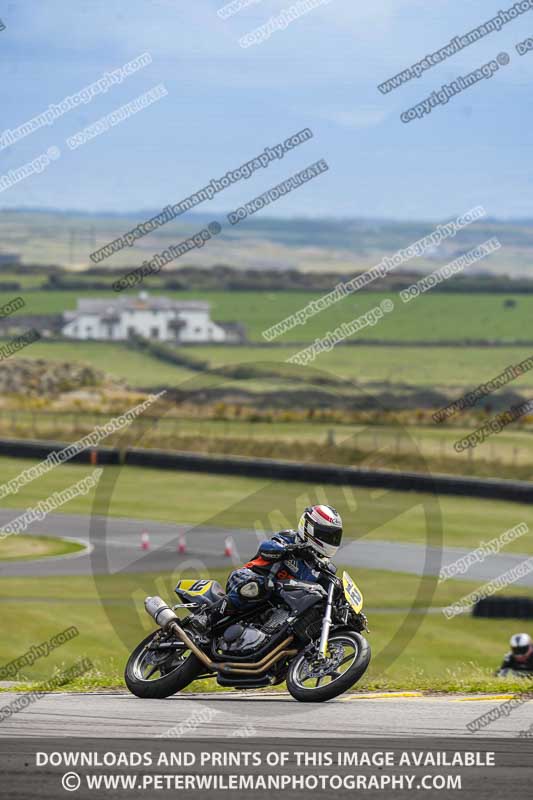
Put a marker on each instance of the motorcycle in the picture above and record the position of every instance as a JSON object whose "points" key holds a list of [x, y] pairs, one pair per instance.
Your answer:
{"points": [[509, 672], [307, 634]]}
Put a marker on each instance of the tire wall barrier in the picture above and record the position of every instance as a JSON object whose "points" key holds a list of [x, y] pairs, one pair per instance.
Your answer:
{"points": [[39, 450], [269, 469], [501, 607], [516, 491]]}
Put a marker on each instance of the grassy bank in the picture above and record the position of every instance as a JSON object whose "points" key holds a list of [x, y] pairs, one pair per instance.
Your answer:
{"points": [[24, 547], [446, 367]]}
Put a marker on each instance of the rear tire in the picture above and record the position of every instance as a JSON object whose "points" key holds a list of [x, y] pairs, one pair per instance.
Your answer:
{"points": [[319, 694], [166, 685]]}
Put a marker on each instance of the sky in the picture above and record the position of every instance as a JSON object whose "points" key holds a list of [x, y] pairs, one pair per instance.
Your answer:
{"points": [[224, 104]]}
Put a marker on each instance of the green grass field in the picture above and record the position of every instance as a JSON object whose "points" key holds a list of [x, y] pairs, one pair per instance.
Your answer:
{"points": [[28, 547], [115, 360], [452, 369], [416, 366], [431, 317]]}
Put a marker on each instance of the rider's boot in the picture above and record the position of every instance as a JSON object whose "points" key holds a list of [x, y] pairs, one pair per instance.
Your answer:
{"points": [[210, 617], [222, 608]]}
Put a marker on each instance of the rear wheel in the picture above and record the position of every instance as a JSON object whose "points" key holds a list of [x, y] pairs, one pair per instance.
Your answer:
{"points": [[157, 674], [313, 680]]}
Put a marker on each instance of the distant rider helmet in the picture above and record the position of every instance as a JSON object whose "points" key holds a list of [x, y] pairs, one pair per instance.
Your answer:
{"points": [[521, 646]]}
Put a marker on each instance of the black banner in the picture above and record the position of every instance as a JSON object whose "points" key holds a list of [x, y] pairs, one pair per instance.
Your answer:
{"points": [[241, 767]]}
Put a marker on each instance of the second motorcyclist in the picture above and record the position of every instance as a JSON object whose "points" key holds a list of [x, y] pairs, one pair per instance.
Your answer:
{"points": [[520, 658]]}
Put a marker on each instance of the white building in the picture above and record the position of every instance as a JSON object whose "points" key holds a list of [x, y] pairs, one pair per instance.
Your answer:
{"points": [[184, 321]]}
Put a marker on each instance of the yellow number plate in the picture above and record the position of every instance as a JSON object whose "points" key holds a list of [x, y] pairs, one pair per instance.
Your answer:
{"points": [[194, 587], [352, 593]]}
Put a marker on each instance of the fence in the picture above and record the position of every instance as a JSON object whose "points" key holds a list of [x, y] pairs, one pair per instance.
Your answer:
{"points": [[515, 491], [427, 442]]}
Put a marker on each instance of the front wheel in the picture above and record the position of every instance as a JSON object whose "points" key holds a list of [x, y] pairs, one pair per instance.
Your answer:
{"points": [[157, 674], [312, 680]]}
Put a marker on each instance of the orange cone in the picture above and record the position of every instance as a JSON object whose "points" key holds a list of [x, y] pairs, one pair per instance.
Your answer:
{"points": [[228, 547], [145, 540]]}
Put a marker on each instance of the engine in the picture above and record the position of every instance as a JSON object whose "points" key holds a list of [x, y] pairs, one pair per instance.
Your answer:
{"points": [[275, 620], [242, 639]]}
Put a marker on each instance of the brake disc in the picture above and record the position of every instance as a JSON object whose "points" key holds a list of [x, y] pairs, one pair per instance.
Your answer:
{"points": [[320, 667]]}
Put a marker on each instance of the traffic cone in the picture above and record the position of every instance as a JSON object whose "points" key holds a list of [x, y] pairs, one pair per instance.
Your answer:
{"points": [[145, 540], [228, 547], [182, 544]]}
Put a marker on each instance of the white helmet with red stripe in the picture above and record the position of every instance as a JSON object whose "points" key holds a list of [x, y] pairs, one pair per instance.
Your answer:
{"points": [[321, 527]]}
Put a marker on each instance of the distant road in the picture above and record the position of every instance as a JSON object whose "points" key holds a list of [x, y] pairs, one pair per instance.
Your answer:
{"points": [[120, 550]]}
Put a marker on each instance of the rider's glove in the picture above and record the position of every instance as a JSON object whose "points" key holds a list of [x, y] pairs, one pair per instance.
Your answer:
{"points": [[296, 548]]}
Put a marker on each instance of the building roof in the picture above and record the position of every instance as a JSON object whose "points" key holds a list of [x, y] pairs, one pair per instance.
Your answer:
{"points": [[143, 302]]}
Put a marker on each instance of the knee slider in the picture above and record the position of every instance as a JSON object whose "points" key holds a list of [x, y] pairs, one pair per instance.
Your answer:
{"points": [[250, 590]]}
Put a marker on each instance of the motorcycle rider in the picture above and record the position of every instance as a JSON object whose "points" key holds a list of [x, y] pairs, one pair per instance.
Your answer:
{"points": [[520, 658], [287, 554]]}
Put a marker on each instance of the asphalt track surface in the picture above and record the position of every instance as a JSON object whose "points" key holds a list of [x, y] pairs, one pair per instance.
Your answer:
{"points": [[116, 547], [276, 715]]}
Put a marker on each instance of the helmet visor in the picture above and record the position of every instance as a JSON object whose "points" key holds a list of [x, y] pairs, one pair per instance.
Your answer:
{"points": [[327, 534], [520, 650]]}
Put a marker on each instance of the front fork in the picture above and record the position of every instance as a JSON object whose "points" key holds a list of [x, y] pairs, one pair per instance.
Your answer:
{"points": [[326, 622]]}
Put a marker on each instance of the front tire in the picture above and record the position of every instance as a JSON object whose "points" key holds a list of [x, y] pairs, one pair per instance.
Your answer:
{"points": [[175, 673], [356, 654]]}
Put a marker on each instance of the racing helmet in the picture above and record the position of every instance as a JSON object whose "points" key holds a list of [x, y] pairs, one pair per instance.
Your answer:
{"points": [[321, 527], [521, 646]]}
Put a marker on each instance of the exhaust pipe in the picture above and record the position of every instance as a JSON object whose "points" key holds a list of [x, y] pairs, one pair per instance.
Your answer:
{"points": [[167, 619], [159, 611]]}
